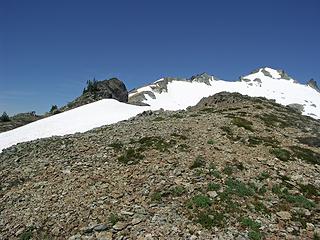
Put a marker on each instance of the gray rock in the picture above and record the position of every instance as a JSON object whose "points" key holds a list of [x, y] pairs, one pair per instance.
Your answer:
{"points": [[100, 227], [284, 215], [120, 226]]}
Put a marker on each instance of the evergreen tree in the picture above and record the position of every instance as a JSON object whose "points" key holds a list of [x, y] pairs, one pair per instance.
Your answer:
{"points": [[54, 108], [4, 117], [92, 86]]}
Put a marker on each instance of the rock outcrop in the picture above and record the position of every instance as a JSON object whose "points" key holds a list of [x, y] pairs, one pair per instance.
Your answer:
{"points": [[112, 88], [312, 83]]}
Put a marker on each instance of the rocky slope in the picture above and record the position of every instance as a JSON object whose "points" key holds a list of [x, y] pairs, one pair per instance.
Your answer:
{"points": [[232, 167]]}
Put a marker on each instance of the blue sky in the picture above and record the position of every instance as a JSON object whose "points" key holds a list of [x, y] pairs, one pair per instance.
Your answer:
{"points": [[48, 49]]}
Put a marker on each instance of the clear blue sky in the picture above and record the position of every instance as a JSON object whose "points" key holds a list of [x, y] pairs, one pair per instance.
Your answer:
{"points": [[49, 48]]}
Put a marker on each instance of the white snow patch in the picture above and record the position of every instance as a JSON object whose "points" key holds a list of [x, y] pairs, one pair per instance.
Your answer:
{"points": [[80, 119]]}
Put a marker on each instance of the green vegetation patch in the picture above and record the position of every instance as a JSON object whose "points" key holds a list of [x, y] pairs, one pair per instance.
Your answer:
{"points": [[176, 135], [228, 169], [210, 219], [211, 141], [310, 141], [116, 145], [114, 218], [239, 188], [176, 115], [201, 201], [214, 187], [130, 156], [156, 196], [198, 162], [306, 154], [254, 226], [157, 143], [309, 190], [183, 147], [158, 119], [244, 123], [177, 191], [282, 154], [27, 234], [272, 120], [297, 200], [266, 141], [260, 207]]}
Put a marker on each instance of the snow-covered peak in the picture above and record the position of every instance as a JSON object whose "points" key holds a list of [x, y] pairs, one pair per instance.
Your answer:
{"points": [[266, 73]]}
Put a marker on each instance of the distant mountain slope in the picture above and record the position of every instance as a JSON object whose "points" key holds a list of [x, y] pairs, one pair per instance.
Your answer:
{"points": [[174, 94], [19, 120]]}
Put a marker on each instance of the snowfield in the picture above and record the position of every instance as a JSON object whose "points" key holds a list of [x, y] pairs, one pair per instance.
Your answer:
{"points": [[179, 95], [80, 119], [182, 94]]}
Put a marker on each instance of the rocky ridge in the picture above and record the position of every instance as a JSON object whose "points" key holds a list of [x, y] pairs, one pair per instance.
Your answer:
{"points": [[232, 167], [137, 97], [111, 88]]}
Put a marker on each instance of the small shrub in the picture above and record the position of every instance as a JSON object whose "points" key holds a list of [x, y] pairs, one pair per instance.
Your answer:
{"points": [[248, 222], [240, 166], [198, 162], [297, 200], [255, 235], [116, 145], [306, 155], [300, 200], [228, 169], [158, 119], [27, 234], [260, 207], [309, 190], [209, 220], [178, 191], [211, 142], [114, 218], [271, 120], [156, 197], [130, 156], [176, 115], [267, 141], [244, 123], [4, 117], [213, 187], [264, 175], [182, 137], [239, 188], [201, 201], [183, 147], [156, 142], [310, 141], [282, 154]]}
